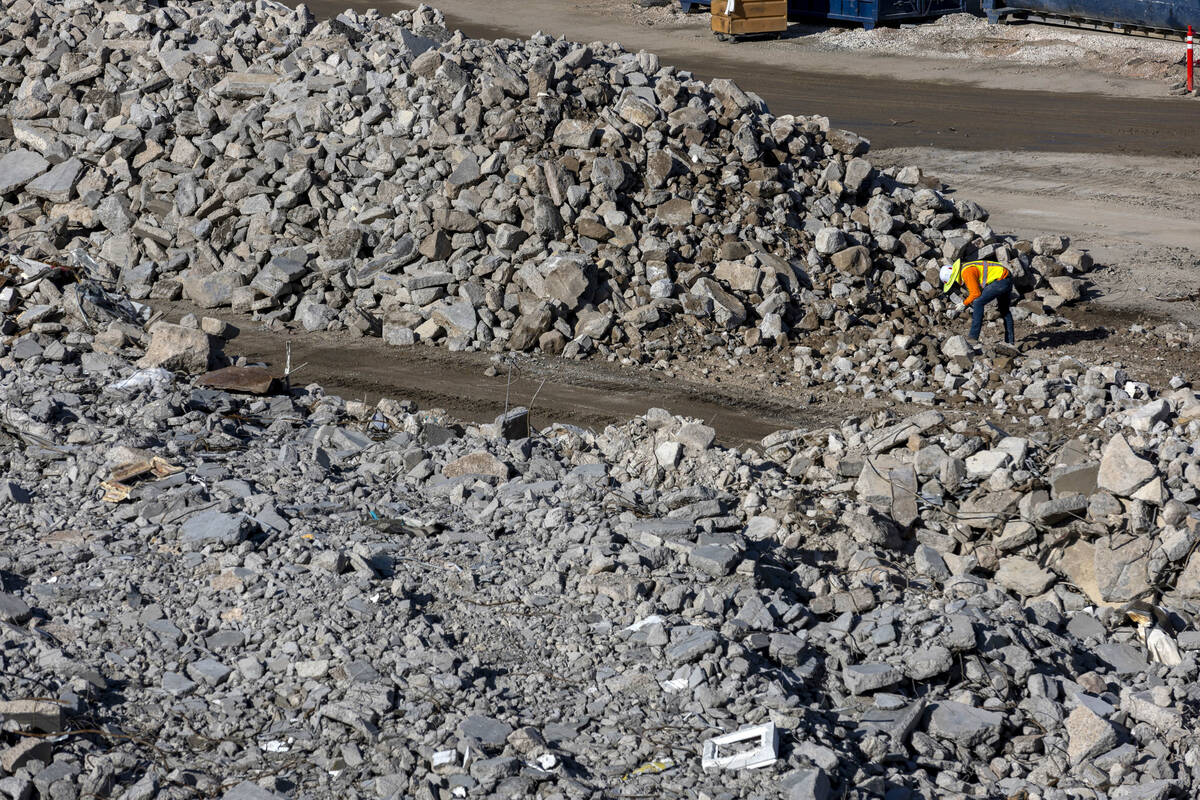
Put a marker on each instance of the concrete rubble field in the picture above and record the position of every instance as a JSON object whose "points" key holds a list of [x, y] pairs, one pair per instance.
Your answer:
{"points": [[218, 583]]}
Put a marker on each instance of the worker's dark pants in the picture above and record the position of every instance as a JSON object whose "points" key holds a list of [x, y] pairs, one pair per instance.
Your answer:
{"points": [[1001, 292]]}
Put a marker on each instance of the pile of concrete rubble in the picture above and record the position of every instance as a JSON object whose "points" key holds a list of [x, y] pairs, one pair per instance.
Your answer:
{"points": [[382, 175], [283, 593]]}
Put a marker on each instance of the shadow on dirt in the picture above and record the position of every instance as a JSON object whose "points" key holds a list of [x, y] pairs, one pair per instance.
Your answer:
{"points": [[1050, 340]]}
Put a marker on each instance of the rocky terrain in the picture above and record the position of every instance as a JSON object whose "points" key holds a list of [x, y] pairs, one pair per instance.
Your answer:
{"points": [[382, 175], [219, 583], [279, 593]]}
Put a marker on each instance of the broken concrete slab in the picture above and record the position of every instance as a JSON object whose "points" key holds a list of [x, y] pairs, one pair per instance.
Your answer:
{"points": [[18, 167]]}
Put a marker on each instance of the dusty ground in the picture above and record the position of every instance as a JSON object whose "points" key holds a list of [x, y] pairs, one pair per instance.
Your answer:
{"points": [[743, 400], [742, 407]]}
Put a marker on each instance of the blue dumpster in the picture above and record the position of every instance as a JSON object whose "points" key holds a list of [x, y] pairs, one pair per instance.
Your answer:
{"points": [[687, 5], [1162, 16], [873, 12]]}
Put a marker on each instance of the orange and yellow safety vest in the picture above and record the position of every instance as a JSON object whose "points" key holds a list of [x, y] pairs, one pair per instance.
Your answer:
{"points": [[977, 274]]}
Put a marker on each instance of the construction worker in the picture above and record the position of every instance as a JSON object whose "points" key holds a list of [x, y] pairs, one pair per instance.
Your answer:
{"points": [[985, 281]]}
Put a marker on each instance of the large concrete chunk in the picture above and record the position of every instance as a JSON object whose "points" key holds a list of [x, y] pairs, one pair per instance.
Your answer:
{"points": [[985, 462], [178, 349], [692, 645], [1088, 734], [58, 184], [214, 289], [830, 240], [1146, 417], [529, 327], [985, 509], [927, 662], [894, 435], [489, 731], [1074, 479], [245, 85], [1121, 470], [1122, 565], [566, 279], [214, 528], [727, 310], [250, 791], [731, 96], [1125, 659], [863, 678], [854, 260], [457, 316], [21, 753], [633, 109], [40, 715], [18, 167], [575, 133], [847, 142], [1061, 509], [1023, 576], [477, 463], [963, 724], [676, 212]]}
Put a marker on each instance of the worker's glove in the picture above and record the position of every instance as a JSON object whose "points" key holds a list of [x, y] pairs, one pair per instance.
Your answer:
{"points": [[954, 311]]}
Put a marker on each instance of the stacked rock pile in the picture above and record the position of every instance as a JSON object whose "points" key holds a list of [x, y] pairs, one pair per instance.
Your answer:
{"points": [[382, 175]]}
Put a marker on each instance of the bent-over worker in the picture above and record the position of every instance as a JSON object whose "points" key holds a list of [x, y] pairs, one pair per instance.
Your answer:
{"points": [[986, 281]]}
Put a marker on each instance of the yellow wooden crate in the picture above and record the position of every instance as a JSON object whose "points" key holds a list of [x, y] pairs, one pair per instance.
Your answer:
{"points": [[749, 16]]}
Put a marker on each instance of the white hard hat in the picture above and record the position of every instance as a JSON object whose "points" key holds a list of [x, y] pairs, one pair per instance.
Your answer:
{"points": [[946, 274]]}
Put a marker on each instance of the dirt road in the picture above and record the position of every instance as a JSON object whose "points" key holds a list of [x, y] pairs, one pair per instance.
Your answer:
{"points": [[588, 394], [937, 104], [743, 402]]}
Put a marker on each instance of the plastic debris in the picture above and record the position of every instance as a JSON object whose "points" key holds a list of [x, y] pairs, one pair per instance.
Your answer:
{"points": [[114, 492], [644, 621], [674, 684], [143, 379], [156, 465], [402, 526], [752, 748], [1144, 614], [1162, 648], [379, 424], [650, 768], [444, 758], [1156, 632]]}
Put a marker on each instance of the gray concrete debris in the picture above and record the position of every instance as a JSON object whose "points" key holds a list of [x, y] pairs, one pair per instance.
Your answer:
{"points": [[863, 678], [1088, 735], [963, 724], [331, 595], [897, 609], [452, 241], [18, 167]]}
